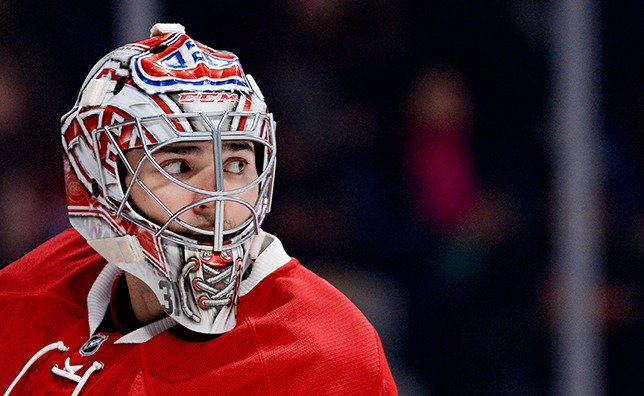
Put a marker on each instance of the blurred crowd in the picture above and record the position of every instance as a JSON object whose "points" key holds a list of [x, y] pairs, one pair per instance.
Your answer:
{"points": [[414, 168]]}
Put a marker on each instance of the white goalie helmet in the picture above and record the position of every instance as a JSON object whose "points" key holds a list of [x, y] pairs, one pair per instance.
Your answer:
{"points": [[149, 97]]}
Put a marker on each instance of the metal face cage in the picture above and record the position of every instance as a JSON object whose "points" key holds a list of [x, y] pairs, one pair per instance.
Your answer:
{"points": [[153, 133]]}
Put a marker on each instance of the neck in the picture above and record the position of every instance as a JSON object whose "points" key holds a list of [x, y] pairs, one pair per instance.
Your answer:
{"points": [[145, 304]]}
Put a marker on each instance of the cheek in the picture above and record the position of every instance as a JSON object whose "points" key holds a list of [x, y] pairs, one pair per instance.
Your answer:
{"points": [[171, 198], [240, 212], [249, 196], [138, 196]]}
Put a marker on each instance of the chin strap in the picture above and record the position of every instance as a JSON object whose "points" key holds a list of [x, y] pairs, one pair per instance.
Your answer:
{"points": [[125, 249]]}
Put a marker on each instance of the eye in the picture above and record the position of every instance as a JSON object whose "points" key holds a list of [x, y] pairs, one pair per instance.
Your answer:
{"points": [[176, 167], [236, 166]]}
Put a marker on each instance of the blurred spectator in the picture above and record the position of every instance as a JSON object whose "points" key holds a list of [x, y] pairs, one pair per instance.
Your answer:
{"points": [[447, 193], [472, 275]]}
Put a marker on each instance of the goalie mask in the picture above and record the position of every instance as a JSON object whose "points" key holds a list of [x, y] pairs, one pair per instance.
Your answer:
{"points": [[169, 163]]}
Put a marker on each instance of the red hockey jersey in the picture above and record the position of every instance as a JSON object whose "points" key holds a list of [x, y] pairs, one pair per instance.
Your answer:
{"points": [[296, 335]]}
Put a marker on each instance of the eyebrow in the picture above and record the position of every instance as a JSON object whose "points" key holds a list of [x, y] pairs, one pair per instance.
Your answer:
{"points": [[179, 149], [236, 146], [188, 149]]}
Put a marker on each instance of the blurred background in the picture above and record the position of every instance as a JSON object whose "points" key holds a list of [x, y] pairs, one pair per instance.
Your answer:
{"points": [[422, 168]]}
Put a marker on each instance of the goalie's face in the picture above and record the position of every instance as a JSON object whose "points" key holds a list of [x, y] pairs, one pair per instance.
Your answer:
{"points": [[192, 163]]}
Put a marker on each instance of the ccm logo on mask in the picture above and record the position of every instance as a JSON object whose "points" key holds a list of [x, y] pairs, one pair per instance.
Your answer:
{"points": [[207, 97]]}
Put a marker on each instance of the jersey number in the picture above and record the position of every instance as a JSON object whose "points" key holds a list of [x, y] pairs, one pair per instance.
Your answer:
{"points": [[169, 295]]}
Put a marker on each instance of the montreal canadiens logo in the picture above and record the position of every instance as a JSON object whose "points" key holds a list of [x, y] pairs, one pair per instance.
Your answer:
{"points": [[183, 64], [92, 345]]}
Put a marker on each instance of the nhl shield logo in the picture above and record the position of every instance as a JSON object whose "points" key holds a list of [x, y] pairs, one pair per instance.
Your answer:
{"points": [[92, 345]]}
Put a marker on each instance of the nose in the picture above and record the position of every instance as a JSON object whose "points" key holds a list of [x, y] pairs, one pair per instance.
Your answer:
{"points": [[205, 214], [204, 180]]}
